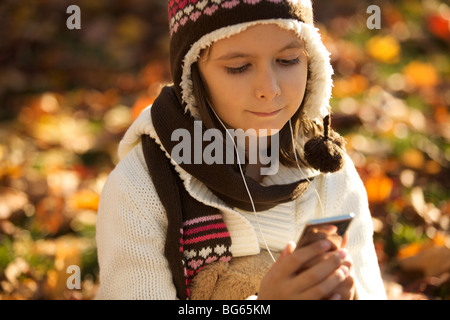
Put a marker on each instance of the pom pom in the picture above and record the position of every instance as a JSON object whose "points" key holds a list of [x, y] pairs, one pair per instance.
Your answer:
{"points": [[325, 153]]}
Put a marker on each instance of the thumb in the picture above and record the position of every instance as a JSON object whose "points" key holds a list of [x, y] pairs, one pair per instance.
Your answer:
{"points": [[290, 247]]}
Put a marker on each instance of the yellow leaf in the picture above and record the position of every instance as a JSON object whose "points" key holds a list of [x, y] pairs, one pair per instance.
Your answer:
{"points": [[85, 199], [384, 48], [412, 158]]}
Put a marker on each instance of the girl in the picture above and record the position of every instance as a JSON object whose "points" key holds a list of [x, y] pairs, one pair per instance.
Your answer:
{"points": [[167, 212]]}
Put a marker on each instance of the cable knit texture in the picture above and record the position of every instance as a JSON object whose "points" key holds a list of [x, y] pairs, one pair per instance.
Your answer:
{"points": [[132, 223]]}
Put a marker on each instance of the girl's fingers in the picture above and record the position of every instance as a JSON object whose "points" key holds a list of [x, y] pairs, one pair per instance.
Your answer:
{"points": [[318, 273], [320, 258], [289, 249], [346, 289], [329, 284], [291, 259], [290, 264]]}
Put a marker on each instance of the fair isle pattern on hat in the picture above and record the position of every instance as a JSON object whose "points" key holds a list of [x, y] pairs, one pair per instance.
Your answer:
{"points": [[190, 20], [197, 24], [317, 101], [181, 11]]}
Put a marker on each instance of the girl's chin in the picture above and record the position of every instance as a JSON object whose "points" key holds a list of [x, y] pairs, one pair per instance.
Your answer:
{"points": [[258, 129], [261, 132]]}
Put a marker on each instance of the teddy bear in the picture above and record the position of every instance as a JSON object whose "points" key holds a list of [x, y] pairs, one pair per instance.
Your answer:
{"points": [[237, 280]]}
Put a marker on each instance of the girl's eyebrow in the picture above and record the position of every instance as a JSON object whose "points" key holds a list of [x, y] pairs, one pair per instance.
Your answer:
{"points": [[234, 55]]}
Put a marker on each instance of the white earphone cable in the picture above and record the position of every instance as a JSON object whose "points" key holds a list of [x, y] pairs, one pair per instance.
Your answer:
{"points": [[246, 186]]}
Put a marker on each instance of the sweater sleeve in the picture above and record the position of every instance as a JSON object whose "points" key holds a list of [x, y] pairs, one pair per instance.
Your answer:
{"points": [[346, 193], [131, 233]]}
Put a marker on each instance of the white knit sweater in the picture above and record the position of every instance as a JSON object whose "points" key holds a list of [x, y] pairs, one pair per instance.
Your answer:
{"points": [[132, 223]]}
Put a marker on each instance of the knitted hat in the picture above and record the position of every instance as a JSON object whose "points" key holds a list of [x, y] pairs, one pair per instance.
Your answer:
{"points": [[196, 24]]}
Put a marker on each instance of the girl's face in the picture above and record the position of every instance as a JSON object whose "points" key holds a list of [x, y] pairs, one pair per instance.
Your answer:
{"points": [[257, 78]]}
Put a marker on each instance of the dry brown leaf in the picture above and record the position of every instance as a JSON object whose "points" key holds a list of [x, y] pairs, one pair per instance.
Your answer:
{"points": [[432, 261]]}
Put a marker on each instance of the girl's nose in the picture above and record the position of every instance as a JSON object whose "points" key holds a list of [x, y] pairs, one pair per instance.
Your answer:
{"points": [[267, 85]]}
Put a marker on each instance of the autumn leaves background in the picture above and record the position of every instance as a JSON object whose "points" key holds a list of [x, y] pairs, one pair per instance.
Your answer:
{"points": [[67, 96]]}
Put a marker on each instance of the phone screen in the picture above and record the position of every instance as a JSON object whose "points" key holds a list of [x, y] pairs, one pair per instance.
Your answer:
{"points": [[333, 229]]}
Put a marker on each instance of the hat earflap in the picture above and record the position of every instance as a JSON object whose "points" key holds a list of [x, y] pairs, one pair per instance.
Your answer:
{"points": [[325, 153]]}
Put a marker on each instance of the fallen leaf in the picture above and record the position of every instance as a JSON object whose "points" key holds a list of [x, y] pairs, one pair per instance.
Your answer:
{"points": [[431, 257], [412, 158], [432, 260], [384, 48], [350, 86], [439, 25], [141, 103], [84, 199], [378, 187], [50, 213], [421, 74]]}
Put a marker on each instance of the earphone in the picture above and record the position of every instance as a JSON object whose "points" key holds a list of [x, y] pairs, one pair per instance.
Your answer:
{"points": [[245, 182]]}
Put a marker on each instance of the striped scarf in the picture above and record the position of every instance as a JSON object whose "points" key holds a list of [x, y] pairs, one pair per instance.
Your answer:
{"points": [[196, 233]]}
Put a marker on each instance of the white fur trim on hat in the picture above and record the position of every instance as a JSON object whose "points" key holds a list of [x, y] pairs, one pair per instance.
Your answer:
{"points": [[317, 101], [304, 3]]}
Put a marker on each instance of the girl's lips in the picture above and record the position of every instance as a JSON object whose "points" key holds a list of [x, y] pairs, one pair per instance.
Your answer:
{"points": [[265, 114]]}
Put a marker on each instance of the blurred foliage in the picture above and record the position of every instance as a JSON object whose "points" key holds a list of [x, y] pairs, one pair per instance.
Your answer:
{"points": [[67, 97]]}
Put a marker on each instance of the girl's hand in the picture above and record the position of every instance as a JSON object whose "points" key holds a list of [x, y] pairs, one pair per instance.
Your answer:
{"points": [[319, 281], [346, 290]]}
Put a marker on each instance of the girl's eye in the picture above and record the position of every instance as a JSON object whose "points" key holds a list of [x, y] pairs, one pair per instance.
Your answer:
{"points": [[285, 62], [237, 70]]}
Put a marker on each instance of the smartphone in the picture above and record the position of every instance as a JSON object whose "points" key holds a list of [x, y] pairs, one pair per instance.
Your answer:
{"points": [[332, 228]]}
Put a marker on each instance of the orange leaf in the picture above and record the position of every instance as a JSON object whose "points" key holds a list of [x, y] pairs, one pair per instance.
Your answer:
{"points": [[141, 103], [350, 86], [378, 188], [49, 213], [441, 115], [413, 158], [409, 250], [84, 199], [421, 74], [154, 72]]}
